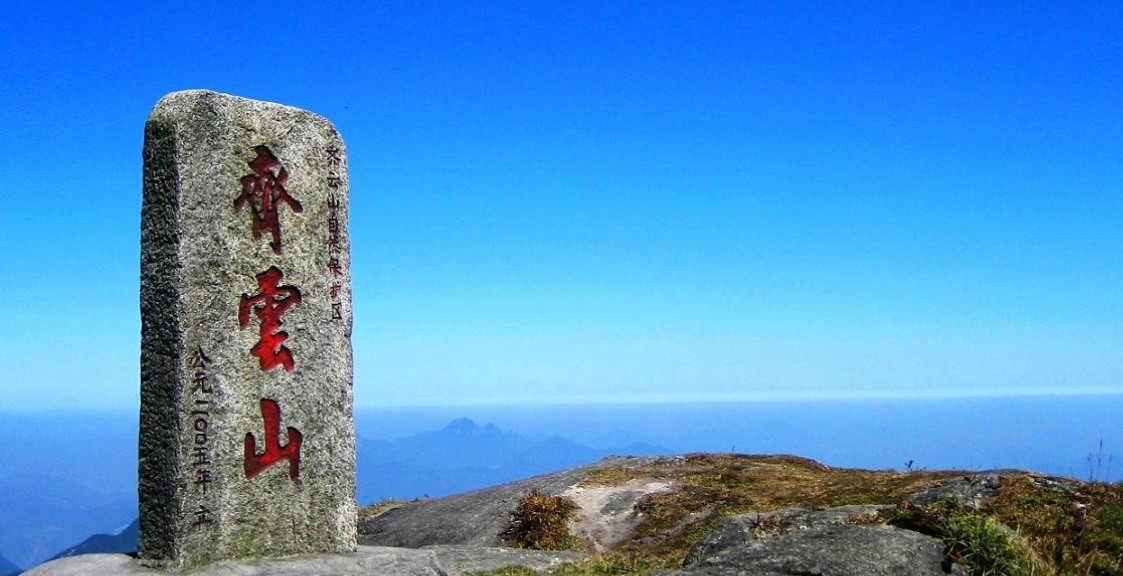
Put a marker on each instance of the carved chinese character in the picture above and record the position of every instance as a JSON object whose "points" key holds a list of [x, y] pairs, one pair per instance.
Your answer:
{"points": [[202, 456], [264, 191], [198, 359], [203, 478], [335, 157], [202, 516], [201, 386], [271, 301], [254, 463]]}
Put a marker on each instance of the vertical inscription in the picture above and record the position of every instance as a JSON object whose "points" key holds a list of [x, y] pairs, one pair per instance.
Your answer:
{"points": [[264, 189], [335, 246], [202, 391]]}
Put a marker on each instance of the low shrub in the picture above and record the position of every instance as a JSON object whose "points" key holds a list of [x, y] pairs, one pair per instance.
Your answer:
{"points": [[541, 522]]}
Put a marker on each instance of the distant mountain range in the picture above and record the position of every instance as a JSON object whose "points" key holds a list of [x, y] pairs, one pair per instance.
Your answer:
{"points": [[122, 542], [43, 514], [464, 456], [461, 456]]}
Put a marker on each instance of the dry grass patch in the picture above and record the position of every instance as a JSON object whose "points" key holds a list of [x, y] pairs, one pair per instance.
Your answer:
{"points": [[541, 522], [1077, 527], [378, 508], [609, 476]]}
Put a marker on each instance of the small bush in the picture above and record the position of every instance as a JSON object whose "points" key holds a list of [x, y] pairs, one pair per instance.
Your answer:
{"points": [[541, 522]]}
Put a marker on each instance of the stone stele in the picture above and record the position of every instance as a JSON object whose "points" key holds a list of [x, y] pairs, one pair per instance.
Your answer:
{"points": [[247, 441]]}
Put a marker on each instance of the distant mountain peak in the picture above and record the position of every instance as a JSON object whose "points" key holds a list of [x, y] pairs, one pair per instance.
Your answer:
{"points": [[468, 427], [461, 427]]}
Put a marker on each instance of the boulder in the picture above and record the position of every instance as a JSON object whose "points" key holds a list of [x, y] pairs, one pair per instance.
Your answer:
{"points": [[830, 550], [969, 489], [743, 528]]}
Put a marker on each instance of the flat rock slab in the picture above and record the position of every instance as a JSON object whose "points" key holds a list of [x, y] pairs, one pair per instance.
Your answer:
{"points": [[460, 559], [367, 561]]}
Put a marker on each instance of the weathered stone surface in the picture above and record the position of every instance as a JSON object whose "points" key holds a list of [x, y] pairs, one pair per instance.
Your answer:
{"points": [[366, 561], [970, 489], [477, 518], [742, 528], [833, 550], [607, 515], [246, 436], [480, 517]]}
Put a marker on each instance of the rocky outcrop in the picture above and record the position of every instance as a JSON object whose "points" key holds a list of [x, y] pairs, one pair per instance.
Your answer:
{"points": [[829, 550], [479, 517], [795, 541], [969, 489], [743, 528]]}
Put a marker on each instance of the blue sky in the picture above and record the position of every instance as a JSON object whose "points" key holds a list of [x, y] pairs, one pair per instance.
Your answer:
{"points": [[610, 201]]}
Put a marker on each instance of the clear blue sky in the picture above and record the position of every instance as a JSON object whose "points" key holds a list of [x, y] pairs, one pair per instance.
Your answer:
{"points": [[610, 201]]}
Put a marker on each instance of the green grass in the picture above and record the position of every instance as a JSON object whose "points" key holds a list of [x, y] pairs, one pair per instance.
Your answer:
{"points": [[978, 541]]}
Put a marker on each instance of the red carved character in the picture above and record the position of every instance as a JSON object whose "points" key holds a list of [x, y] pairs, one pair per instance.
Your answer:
{"points": [[264, 190], [254, 463], [270, 302]]}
